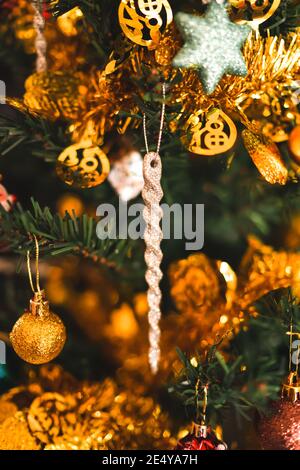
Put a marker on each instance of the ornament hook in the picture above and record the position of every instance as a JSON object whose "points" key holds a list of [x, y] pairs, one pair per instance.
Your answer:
{"points": [[37, 273]]}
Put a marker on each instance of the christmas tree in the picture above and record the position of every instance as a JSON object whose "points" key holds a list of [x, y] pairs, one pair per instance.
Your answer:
{"points": [[149, 224]]}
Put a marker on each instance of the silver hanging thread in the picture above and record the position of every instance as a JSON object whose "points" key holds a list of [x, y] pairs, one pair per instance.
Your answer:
{"points": [[40, 40], [152, 194]]}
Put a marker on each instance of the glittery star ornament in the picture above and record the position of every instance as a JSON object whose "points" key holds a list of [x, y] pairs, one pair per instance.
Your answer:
{"points": [[212, 45]]}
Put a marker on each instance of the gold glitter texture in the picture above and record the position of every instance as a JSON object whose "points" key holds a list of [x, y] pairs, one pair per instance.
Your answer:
{"points": [[39, 335], [59, 413], [281, 431], [266, 157]]}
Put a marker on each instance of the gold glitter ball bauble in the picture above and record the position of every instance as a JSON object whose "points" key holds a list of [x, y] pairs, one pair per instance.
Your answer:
{"points": [[39, 335]]}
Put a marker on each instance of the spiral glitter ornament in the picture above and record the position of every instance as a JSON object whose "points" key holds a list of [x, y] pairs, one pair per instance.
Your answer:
{"points": [[152, 194], [40, 40]]}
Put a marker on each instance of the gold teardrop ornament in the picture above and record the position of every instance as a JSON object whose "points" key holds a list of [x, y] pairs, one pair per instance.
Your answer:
{"points": [[266, 157]]}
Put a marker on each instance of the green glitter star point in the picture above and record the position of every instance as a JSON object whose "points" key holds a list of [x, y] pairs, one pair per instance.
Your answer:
{"points": [[212, 45]]}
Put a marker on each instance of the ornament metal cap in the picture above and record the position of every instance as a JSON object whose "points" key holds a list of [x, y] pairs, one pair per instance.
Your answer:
{"points": [[291, 388], [39, 305], [199, 430]]}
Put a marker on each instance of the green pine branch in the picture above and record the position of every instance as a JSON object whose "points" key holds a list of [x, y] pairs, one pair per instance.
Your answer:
{"points": [[221, 378], [253, 374], [60, 235], [42, 138]]}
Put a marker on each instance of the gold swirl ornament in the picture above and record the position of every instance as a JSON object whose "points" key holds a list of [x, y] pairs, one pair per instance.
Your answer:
{"points": [[253, 12], [142, 21], [83, 165]]}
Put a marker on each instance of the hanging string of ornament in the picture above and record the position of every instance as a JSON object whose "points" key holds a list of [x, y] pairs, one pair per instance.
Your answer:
{"points": [[152, 194], [202, 436]]}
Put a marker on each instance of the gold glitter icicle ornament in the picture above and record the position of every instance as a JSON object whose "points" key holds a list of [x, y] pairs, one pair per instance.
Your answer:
{"points": [[152, 195], [39, 335]]}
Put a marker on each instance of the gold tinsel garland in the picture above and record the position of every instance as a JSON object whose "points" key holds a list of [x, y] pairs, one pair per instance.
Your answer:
{"points": [[273, 67], [264, 100], [56, 412]]}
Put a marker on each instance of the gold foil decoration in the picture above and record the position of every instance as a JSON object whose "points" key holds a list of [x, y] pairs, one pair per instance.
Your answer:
{"points": [[83, 165], [253, 12], [212, 134], [53, 95], [142, 21], [266, 157], [69, 21], [56, 412]]}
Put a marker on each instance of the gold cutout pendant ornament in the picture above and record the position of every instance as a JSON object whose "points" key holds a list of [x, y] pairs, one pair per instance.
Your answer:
{"points": [[253, 12], [143, 21], [210, 133], [39, 335], [83, 165]]}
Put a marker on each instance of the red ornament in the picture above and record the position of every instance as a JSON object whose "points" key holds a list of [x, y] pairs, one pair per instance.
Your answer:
{"points": [[6, 200], [45, 12], [7, 5], [201, 438], [281, 431]]}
